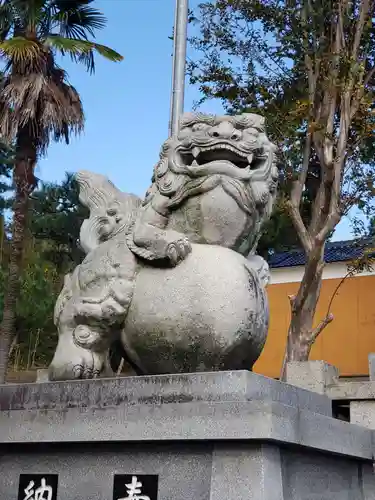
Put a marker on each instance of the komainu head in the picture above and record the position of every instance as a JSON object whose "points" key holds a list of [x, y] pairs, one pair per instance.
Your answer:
{"points": [[235, 147]]}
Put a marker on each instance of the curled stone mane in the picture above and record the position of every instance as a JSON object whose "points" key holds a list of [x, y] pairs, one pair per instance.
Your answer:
{"points": [[245, 120]]}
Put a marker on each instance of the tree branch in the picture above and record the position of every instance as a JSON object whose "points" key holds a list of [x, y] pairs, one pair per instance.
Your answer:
{"points": [[364, 12], [330, 100], [368, 77], [329, 316], [296, 196], [300, 227], [318, 330], [331, 222]]}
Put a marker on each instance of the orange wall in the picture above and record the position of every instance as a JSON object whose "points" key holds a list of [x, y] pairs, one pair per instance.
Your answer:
{"points": [[344, 343]]}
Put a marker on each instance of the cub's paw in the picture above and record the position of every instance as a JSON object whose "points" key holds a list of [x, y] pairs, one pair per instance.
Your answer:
{"points": [[178, 250]]}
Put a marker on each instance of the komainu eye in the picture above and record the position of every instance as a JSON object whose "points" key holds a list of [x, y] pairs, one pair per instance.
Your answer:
{"points": [[199, 126], [111, 212]]}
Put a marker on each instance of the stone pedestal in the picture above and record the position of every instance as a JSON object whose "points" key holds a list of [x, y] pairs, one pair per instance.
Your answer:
{"points": [[371, 366], [314, 376], [42, 375], [203, 436], [362, 413]]}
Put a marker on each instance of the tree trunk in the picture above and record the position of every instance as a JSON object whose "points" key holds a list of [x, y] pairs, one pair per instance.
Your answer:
{"points": [[301, 334], [24, 183], [300, 339]]}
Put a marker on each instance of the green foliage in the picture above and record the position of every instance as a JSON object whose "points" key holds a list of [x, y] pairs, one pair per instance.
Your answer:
{"points": [[278, 233], [39, 288], [52, 250], [56, 218]]}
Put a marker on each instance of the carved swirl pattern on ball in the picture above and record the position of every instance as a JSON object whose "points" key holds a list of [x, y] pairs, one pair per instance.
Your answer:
{"points": [[85, 337]]}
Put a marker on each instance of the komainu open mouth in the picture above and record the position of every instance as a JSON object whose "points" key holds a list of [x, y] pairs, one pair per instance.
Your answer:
{"points": [[218, 152]]}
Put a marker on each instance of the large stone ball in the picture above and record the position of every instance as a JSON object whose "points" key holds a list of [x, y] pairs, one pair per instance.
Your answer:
{"points": [[209, 313]]}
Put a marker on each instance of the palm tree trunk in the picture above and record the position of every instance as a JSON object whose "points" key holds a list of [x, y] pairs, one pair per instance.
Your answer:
{"points": [[24, 182]]}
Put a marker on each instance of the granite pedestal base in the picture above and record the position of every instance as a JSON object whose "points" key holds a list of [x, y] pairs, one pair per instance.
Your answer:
{"points": [[210, 436]]}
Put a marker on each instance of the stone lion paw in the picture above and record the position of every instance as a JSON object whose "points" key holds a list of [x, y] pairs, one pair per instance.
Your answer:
{"points": [[76, 363], [178, 250], [89, 366]]}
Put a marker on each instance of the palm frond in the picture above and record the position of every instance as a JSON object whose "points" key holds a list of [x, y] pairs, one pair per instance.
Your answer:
{"points": [[19, 50], [108, 53], [21, 93], [62, 113], [6, 20], [18, 15], [82, 50], [87, 59], [45, 22], [34, 15], [78, 51], [48, 106], [67, 45], [76, 21], [20, 96]]}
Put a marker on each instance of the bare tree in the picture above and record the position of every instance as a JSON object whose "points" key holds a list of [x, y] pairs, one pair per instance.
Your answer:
{"points": [[339, 66], [308, 66]]}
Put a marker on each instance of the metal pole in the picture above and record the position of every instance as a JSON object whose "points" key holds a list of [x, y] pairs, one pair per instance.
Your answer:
{"points": [[173, 66], [179, 64]]}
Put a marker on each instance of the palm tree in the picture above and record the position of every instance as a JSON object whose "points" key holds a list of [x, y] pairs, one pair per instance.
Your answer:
{"points": [[37, 104]]}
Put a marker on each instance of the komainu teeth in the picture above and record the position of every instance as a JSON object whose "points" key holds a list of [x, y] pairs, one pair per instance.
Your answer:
{"points": [[194, 164], [196, 152], [216, 147], [250, 158]]}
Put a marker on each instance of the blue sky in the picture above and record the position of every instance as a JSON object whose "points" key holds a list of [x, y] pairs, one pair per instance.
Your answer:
{"points": [[127, 104]]}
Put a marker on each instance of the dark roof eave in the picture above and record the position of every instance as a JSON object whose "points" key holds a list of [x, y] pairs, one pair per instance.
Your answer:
{"points": [[338, 251]]}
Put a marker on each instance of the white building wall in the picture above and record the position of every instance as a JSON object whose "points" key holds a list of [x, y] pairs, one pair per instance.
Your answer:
{"points": [[294, 274]]}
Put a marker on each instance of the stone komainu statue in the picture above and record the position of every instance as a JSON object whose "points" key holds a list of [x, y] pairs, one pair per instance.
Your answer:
{"points": [[175, 277]]}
